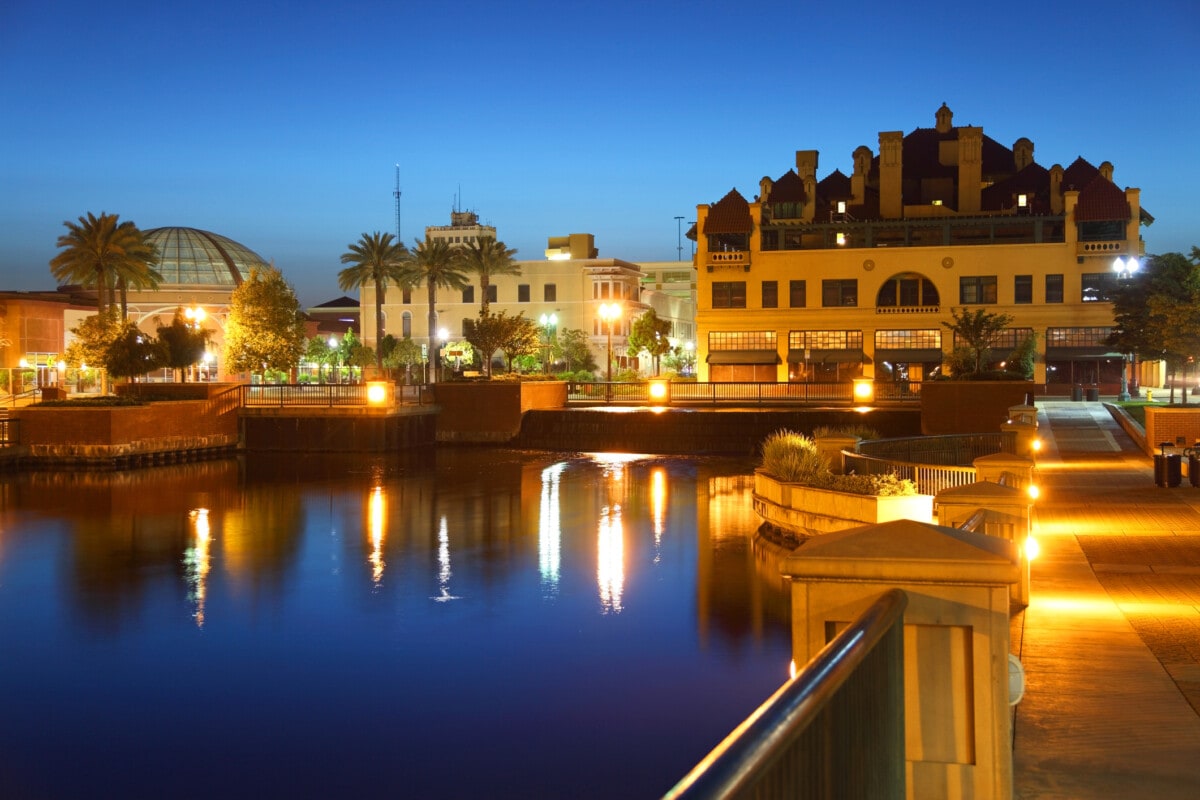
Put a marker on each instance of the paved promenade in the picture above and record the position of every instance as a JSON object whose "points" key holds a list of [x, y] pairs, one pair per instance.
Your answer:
{"points": [[1111, 638]]}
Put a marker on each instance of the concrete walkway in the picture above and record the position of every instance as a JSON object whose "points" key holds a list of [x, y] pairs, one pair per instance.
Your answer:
{"points": [[1111, 639]]}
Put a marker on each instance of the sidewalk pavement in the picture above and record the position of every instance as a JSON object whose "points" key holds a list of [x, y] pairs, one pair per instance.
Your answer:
{"points": [[1110, 642]]}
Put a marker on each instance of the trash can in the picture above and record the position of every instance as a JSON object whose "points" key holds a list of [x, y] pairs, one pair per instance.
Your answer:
{"points": [[1167, 467], [1174, 469], [1077, 393], [1193, 457], [1093, 394]]}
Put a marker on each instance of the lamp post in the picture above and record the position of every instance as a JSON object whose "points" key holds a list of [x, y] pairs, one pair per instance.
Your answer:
{"points": [[609, 313], [1125, 268], [549, 325], [679, 238], [442, 336], [333, 359]]}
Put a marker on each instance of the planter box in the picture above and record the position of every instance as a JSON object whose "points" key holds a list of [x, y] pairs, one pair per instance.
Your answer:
{"points": [[806, 511]]}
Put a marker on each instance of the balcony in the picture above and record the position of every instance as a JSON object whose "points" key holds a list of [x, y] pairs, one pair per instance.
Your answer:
{"points": [[729, 259], [908, 309]]}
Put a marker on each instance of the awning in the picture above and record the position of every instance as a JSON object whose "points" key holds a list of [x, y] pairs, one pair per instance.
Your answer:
{"points": [[743, 357], [1079, 353], [908, 356], [852, 356]]}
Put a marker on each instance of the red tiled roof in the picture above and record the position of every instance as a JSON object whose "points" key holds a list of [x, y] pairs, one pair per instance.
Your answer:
{"points": [[1102, 201], [834, 186], [730, 214], [1078, 175], [788, 189], [1033, 180]]}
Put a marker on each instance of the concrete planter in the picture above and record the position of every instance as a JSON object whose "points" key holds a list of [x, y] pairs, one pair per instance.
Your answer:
{"points": [[807, 511], [490, 412]]}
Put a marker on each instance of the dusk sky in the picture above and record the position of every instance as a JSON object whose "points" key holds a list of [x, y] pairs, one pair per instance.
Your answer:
{"points": [[280, 125]]}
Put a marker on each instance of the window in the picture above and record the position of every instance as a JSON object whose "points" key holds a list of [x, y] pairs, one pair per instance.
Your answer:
{"points": [[406, 296], [1098, 286], [741, 340], [729, 294], [550, 293], [1054, 288], [908, 290], [1023, 289], [406, 325], [522, 292], [469, 294], [797, 297], [770, 294], [977, 290], [839, 293], [825, 340]]}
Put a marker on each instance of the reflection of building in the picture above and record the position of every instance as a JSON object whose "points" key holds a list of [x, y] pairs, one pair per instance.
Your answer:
{"points": [[828, 278], [570, 284]]}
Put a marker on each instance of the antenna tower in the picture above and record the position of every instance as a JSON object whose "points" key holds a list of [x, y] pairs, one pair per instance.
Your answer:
{"points": [[399, 238]]}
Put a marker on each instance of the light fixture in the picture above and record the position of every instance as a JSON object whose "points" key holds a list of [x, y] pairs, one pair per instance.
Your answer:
{"points": [[841, 207], [1125, 267], [659, 392], [841, 239], [1022, 200], [377, 392], [864, 390]]}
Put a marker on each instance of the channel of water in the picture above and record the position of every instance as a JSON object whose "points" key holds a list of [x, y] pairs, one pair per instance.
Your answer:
{"points": [[465, 622]]}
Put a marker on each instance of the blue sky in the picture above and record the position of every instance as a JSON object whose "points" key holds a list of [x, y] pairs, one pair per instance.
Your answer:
{"points": [[281, 124]]}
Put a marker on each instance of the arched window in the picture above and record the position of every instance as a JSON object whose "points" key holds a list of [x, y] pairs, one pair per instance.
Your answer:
{"points": [[907, 290], [406, 325]]}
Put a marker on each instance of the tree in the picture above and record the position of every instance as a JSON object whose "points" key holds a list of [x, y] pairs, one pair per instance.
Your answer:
{"points": [[107, 254], [134, 353], [407, 354], [521, 338], [265, 329], [487, 257], [1144, 307], [183, 343], [651, 334], [574, 350], [977, 329], [432, 262], [377, 259], [94, 335]]}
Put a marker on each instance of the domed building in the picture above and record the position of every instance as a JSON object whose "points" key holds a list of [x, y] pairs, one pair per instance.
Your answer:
{"points": [[200, 270]]}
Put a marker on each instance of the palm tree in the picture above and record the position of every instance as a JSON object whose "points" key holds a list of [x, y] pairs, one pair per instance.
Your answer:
{"points": [[433, 262], [377, 259], [487, 257], [107, 254]]}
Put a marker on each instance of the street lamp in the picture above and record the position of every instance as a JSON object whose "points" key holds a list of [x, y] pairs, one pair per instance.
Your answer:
{"points": [[1125, 269], [609, 313], [333, 359], [549, 324]]}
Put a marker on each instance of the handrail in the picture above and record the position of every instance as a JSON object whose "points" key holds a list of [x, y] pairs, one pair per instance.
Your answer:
{"points": [[813, 737], [741, 392]]}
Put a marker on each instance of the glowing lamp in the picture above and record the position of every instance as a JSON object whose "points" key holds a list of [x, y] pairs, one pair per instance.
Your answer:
{"points": [[864, 390], [1032, 548], [377, 393], [660, 392]]}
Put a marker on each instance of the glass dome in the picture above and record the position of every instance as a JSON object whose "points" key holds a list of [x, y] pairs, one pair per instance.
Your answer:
{"points": [[191, 257]]}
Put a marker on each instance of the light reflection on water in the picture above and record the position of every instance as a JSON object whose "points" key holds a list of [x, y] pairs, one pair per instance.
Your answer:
{"points": [[285, 622]]}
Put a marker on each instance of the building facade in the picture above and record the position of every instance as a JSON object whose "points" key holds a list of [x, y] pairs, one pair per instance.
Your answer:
{"points": [[836, 277], [566, 289]]}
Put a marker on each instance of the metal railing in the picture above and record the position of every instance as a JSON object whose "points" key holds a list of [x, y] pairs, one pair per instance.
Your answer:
{"points": [[748, 393], [933, 463], [834, 730], [322, 394]]}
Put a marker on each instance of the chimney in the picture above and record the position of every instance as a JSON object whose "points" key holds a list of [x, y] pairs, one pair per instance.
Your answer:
{"points": [[1022, 153], [806, 169], [970, 169], [891, 173], [1056, 195], [862, 169], [1106, 169]]}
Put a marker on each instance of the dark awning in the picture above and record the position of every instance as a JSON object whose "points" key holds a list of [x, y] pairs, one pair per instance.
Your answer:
{"points": [[743, 357], [1078, 353], [852, 356], [909, 356]]}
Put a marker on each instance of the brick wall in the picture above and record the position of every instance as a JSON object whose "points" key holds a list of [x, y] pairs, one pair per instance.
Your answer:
{"points": [[1168, 424]]}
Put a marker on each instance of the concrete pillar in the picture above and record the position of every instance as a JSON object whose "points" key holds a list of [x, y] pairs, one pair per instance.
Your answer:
{"points": [[1006, 513], [1020, 471], [831, 447], [957, 729]]}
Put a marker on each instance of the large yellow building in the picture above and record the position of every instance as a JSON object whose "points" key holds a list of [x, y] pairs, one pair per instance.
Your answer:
{"points": [[844, 276], [568, 287]]}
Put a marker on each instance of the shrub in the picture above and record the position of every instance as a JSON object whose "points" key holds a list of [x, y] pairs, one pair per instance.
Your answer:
{"points": [[793, 458], [861, 431], [105, 401]]}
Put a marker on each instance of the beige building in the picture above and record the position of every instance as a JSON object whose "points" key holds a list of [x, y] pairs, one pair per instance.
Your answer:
{"points": [[569, 285], [834, 277]]}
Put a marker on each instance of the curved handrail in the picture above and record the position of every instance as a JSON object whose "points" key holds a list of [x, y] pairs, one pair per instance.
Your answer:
{"points": [[749, 751]]}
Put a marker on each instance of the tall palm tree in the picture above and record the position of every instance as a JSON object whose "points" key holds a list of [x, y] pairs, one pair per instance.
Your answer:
{"points": [[487, 257], [378, 259], [433, 262], [108, 254]]}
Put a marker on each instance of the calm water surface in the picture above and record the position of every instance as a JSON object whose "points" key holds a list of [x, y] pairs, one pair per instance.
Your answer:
{"points": [[470, 623]]}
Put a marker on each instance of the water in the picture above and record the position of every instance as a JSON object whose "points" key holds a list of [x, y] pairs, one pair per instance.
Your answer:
{"points": [[470, 623]]}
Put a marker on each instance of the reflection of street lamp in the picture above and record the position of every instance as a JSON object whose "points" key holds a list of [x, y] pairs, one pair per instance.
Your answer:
{"points": [[609, 313], [549, 324], [333, 359], [1125, 268]]}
